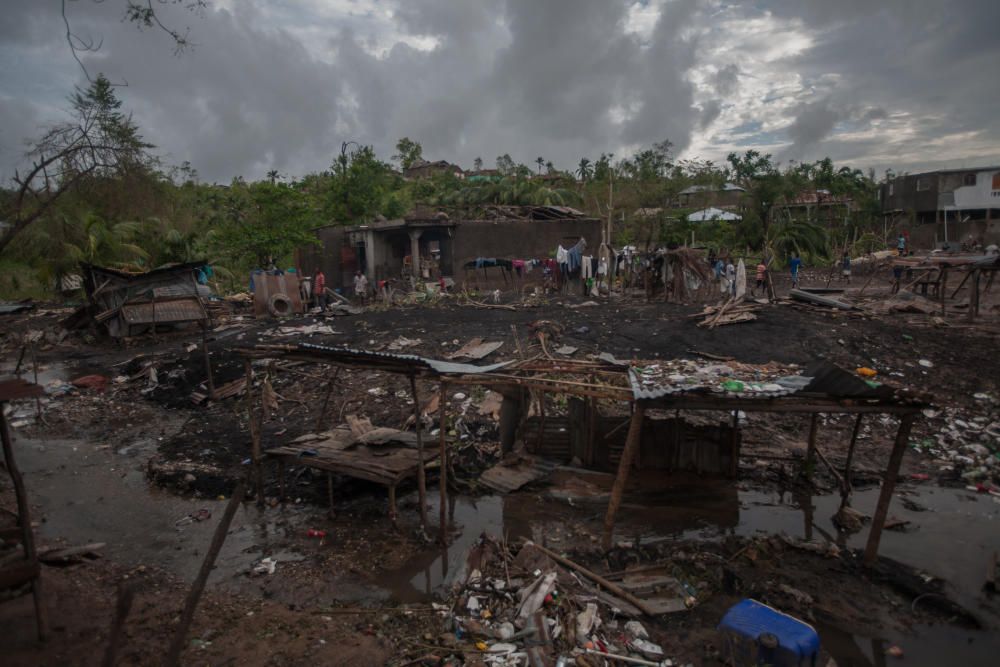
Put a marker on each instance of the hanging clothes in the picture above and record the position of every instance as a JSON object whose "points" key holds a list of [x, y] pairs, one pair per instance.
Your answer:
{"points": [[741, 280], [586, 267]]}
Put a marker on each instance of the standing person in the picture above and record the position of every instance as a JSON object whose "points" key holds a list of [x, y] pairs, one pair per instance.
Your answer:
{"points": [[901, 245], [319, 289], [360, 286], [719, 268], [306, 289], [793, 265], [845, 268], [761, 277], [731, 276]]}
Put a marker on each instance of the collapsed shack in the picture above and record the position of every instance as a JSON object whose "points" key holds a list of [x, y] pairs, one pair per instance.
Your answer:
{"points": [[637, 387], [126, 304], [931, 273]]}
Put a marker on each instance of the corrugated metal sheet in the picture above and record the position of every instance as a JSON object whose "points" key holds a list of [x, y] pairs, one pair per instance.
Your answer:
{"points": [[176, 310], [10, 308], [822, 378], [266, 285], [399, 361]]}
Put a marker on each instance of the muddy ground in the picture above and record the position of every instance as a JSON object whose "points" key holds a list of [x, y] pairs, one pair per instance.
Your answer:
{"points": [[126, 465]]}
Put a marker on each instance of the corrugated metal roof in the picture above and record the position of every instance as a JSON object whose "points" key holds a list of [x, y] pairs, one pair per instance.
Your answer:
{"points": [[176, 310], [822, 379], [400, 361]]}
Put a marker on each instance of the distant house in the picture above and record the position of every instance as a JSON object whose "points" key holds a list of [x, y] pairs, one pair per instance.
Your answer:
{"points": [[949, 205], [729, 195], [425, 169], [816, 206], [443, 246]]}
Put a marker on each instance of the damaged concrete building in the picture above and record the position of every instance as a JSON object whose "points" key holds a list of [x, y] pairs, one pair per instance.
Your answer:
{"points": [[432, 244], [950, 206]]}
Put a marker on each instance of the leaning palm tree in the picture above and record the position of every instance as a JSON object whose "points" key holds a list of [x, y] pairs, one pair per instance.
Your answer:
{"points": [[585, 170]]}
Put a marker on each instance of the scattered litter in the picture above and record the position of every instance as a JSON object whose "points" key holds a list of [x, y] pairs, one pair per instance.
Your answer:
{"points": [[265, 566], [475, 349]]}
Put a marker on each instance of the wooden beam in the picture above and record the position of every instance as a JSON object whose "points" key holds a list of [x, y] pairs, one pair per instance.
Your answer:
{"points": [[255, 454], [628, 455], [810, 462], [421, 472], [198, 587], [443, 429], [24, 520], [888, 485], [850, 454]]}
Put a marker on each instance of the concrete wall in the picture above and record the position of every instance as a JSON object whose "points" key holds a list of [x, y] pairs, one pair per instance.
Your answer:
{"points": [[334, 255], [515, 239], [929, 235]]}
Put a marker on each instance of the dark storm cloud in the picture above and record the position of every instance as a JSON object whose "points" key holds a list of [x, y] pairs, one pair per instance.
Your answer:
{"points": [[280, 85]]}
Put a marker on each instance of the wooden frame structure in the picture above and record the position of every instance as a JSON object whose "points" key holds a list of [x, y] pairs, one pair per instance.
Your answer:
{"points": [[26, 571], [825, 389]]}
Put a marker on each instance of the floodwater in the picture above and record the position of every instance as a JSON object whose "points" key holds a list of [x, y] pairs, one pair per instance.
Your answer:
{"points": [[89, 493]]}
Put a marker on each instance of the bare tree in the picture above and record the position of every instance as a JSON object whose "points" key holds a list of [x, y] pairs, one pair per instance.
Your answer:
{"points": [[100, 140], [142, 13]]}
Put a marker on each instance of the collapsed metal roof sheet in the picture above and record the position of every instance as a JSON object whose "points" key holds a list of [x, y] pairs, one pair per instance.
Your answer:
{"points": [[399, 362]]}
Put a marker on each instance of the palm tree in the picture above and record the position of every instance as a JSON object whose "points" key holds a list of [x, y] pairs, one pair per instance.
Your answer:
{"points": [[477, 164], [540, 161], [585, 170], [549, 167], [273, 176]]}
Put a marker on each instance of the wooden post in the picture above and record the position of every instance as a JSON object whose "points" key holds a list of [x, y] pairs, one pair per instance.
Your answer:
{"points": [[810, 461], [974, 296], [24, 519], [392, 504], [421, 472], [444, 461], [329, 492], [628, 455], [177, 644], [944, 287], [254, 434], [208, 363], [850, 454], [888, 485], [734, 445], [125, 595], [326, 399]]}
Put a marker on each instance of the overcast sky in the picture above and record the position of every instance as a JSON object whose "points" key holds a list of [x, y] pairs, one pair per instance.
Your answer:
{"points": [[279, 84]]}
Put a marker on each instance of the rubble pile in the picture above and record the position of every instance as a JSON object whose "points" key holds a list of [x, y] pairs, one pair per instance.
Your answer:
{"points": [[729, 378], [539, 608], [966, 446]]}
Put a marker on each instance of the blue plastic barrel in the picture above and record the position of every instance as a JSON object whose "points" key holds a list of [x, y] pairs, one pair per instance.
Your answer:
{"points": [[756, 634]]}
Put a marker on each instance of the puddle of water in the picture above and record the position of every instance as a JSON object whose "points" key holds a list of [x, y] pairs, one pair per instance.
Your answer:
{"points": [[88, 495], [92, 494]]}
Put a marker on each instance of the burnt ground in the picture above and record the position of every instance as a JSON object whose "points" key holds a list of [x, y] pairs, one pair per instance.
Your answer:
{"points": [[197, 452]]}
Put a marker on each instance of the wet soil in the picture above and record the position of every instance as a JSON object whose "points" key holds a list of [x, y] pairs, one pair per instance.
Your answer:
{"points": [[88, 468]]}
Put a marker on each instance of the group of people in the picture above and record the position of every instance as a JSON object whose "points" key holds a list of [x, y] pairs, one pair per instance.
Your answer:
{"points": [[727, 274], [313, 289]]}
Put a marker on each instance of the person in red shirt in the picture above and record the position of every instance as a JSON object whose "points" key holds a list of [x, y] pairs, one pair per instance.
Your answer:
{"points": [[319, 288]]}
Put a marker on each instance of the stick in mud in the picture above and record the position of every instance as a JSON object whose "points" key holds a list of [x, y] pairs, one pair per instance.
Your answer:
{"points": [[198, 587], [596, 578], [125, 596], [443, 461]]}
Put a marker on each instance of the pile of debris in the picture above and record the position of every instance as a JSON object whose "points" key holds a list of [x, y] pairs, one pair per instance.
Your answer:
{"points": [[967, 447], [676, 375], [539, 608], [732, 311]]}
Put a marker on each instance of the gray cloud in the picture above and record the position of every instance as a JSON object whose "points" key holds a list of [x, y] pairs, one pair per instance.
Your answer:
{"points": [[281, 84]]}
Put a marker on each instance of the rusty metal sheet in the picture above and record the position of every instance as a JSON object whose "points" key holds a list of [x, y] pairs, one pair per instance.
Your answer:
{"points": [[266, 286], [19, 388], [176, 310]]}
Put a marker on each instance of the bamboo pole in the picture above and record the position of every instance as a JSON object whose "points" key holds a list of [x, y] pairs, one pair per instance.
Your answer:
{"points": [[198, 587], [628, 455], [421, 472], [596, 578], [443, 456], [888, 485]]}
